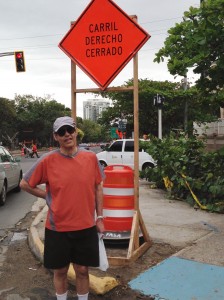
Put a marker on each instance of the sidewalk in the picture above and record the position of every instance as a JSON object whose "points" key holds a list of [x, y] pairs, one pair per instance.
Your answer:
{"points": [[199, 234]]}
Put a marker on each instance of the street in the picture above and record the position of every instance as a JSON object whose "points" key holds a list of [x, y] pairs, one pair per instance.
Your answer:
{"points": [[16, 208], [17, 204]]}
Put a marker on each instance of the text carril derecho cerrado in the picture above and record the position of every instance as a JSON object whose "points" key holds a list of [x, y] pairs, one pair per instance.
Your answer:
{"points": [[103, 40]]}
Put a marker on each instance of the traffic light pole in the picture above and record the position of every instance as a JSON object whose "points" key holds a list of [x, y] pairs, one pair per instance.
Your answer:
{"points": [[6, 54], [160, 123]]}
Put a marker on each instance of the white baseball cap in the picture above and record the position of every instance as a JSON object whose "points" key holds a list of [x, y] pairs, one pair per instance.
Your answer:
{"points": [[62, 121]]}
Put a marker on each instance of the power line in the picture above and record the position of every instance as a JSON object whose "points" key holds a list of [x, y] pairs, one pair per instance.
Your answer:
{"points": [[30, 37], [161, 20], [62, 34]]}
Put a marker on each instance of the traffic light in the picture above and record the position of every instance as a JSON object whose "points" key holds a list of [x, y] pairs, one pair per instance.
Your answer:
{"points": [[20, 61], [158, 101]]}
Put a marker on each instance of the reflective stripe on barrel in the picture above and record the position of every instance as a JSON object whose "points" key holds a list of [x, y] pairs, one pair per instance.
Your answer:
{"points": [[118, 191], [121, 213]]}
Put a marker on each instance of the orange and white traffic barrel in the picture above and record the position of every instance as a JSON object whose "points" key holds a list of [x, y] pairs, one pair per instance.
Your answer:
{"points": [[118, 202]]}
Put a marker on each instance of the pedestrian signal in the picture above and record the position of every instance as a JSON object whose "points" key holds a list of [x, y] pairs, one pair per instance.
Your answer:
{"points": [[20, 61]]}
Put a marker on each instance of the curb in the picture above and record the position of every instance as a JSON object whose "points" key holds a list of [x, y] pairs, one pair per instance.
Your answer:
{"points": [[98, 285]]}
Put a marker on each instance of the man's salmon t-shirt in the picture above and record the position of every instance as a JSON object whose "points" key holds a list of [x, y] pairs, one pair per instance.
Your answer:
{"points": [[70, 188]]}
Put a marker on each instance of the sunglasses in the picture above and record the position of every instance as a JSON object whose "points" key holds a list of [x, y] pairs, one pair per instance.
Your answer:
{"points": [[61, 131]]}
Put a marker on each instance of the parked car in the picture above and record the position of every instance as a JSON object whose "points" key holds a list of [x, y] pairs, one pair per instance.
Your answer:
{"points": [[10, 174], [122, 152], [84, 146]]}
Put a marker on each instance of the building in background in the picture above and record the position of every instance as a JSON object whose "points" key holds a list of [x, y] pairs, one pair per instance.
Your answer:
{"points": [[92, 109]]}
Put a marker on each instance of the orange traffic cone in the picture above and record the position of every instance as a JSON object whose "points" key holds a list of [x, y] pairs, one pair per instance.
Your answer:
{"points": [[22, 152]]}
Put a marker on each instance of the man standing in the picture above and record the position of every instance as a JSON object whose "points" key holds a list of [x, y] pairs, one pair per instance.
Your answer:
{"points": [[74, 196]]}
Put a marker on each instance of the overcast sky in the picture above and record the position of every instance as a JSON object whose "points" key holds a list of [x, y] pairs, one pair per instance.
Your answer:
{"points": [[38, 26]]}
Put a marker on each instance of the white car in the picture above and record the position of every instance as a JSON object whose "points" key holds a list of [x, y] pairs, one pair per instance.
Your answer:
{"points": [[10, 174], [122, 152]]}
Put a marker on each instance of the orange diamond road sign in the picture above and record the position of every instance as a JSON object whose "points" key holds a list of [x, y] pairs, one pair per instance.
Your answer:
{"points": [[103, 40]]}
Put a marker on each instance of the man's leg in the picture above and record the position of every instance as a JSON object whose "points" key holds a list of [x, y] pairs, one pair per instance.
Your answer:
{"points": [[61, 283], [82, 281]]}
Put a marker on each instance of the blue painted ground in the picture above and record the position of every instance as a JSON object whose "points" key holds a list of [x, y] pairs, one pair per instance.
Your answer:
{"points": [[181, 279]]}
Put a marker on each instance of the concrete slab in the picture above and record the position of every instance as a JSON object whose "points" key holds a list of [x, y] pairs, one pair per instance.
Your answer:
{"points": [[180, 279], [173, 221], [208, 250]]}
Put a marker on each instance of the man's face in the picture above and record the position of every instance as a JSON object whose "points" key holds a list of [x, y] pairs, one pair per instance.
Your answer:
{"points": [[66, 136]]}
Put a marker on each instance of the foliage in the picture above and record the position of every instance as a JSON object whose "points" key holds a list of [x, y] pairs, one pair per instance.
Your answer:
{"points": [[80, 135], [200, 108], [7, 109], [179, 156], [35, 116], [198, 42], [92, 131], [28, 118]]}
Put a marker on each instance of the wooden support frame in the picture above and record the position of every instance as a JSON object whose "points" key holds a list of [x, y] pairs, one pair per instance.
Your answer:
{"points": [[135, 250]]}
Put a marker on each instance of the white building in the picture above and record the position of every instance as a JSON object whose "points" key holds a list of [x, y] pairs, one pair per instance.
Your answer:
{"points": [[92, 109]]}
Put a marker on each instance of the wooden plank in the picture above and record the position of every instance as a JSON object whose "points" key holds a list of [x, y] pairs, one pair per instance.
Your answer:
{"points": [[136, 141], [73, 88], [134, 233], [123, 261], [140, 251], [73, 85], [118, 261], [110, 89], [143, 229]]}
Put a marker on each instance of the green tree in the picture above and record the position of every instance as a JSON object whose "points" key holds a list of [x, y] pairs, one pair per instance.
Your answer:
{"points": [[92, 131], [35, 116], [8, 110], [199, 108], [8, 131], [198, 42]]}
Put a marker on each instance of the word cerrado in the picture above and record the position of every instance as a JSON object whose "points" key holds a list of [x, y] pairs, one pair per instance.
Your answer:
{"points": [[103, 40]]}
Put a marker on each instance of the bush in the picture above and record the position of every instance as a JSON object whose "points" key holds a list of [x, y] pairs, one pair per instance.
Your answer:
{"points": [[184, 160]]}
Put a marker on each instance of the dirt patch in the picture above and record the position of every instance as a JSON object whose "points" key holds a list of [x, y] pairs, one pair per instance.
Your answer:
{"points": [[22, 274]]}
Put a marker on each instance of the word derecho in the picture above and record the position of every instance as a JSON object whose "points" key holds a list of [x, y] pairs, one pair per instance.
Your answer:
{"points": [[107, 42]]}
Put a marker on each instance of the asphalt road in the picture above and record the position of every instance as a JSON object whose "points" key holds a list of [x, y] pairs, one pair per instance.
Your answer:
{"points": [[17, 204]]}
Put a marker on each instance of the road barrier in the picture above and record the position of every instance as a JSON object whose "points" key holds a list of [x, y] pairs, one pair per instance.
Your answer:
{"points": [[118, 202]]}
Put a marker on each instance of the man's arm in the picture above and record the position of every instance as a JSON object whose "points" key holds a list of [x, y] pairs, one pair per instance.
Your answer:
{"points": [[99, 208], [36, 191]]}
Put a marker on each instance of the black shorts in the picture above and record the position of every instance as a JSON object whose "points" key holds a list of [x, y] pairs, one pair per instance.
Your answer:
{"points": [[62, 248]]}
